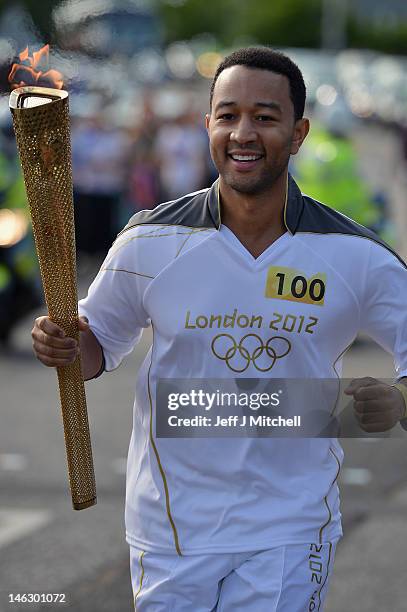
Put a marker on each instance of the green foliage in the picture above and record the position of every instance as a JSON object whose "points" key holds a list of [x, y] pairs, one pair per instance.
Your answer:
{"points": [[386, 38], [192, 18], [292, 22], [289, 23]]}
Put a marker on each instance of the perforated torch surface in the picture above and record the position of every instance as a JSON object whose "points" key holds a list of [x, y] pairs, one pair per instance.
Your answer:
{"points": [[43, 139]]}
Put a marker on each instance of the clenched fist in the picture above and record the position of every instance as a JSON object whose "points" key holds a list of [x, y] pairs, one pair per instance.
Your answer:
{"points": [[378, 406]]}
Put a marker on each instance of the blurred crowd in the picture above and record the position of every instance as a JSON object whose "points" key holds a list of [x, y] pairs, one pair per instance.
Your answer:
{"points": [[118, 171]]}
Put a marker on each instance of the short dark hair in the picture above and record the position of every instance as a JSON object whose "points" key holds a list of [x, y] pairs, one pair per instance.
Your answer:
{"points": [[266, 58]]}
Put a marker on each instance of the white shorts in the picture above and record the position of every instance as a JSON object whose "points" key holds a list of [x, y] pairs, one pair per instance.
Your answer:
{"points": [[291, 578]]}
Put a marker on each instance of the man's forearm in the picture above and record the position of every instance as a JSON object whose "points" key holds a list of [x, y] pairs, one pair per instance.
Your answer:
{"points": [[91, 354]]}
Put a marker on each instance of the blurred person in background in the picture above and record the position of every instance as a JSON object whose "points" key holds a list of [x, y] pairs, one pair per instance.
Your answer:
{"points": [[99, 161], [142, 183], [243, 523], [327, 167], [20, 286], [181, 151]]}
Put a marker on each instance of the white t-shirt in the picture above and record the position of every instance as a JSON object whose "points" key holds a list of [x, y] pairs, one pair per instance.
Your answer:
{"points": [[178, 268]]}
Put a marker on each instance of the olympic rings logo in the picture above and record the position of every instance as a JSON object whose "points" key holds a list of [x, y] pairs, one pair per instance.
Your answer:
{"points": [[250, 349]]}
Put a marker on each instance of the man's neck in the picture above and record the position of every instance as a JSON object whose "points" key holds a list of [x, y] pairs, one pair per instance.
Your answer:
{"points": [[258, 220]]}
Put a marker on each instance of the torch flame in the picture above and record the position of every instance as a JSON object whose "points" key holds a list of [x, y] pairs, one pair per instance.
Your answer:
{"points": [[24, 54], [34, 71]]}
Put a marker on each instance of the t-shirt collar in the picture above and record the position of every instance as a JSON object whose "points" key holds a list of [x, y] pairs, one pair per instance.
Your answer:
{"points": [[292, 209]]}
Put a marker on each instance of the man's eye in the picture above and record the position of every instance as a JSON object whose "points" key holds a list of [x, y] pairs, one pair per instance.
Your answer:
{"points": [[226, 116], [264, 118]]}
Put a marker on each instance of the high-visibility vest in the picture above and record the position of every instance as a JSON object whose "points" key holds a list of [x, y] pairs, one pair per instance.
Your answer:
{"points": [[326, 167]]}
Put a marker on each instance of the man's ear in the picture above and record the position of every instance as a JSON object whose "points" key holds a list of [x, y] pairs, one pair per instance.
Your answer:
{"points": [[301, 129], [207, 118]]}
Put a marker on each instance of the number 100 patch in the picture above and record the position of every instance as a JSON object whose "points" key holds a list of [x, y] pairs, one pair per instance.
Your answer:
{"points": [[292, 285]]}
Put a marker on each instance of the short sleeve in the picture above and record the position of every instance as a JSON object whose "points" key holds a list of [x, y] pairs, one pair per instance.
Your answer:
{"points": [[384, 307], [114, 303]]}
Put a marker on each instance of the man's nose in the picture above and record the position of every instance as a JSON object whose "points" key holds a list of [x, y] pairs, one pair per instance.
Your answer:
{"points": [[244, 131]]}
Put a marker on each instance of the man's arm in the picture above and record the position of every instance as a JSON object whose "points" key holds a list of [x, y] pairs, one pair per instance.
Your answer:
{"points": [[53, 348]]}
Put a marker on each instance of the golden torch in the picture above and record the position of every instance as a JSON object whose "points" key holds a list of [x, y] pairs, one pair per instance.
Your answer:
{"points": [[41, 124]]}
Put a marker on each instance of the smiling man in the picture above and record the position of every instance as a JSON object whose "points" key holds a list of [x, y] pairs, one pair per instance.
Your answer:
{"points": [[249, 280], [254, 126]]}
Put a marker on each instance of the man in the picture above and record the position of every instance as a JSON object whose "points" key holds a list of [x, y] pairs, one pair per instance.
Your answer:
{"points": [[247, 279]]}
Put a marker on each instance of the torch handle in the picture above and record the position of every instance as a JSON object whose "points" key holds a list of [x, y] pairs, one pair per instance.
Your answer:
{"points": [[77, 438]]}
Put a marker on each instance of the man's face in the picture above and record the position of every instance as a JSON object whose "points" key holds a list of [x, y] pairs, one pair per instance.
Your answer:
{"points": [[251, 128]]}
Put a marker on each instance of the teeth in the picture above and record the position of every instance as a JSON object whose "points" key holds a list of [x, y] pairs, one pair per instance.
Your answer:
{"points": [[245, 157]]}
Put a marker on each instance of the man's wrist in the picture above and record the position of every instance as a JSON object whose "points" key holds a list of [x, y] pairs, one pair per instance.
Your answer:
{"points": [[101, 368], [403, 390]]}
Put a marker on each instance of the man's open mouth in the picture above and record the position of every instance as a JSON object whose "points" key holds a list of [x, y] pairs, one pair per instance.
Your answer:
{"points": [[245, 158]]}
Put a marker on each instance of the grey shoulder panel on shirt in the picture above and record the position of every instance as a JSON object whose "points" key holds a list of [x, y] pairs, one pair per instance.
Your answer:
{"points": [[321, 219], [192, 210]]}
